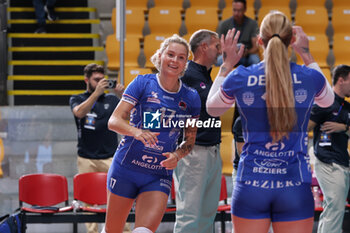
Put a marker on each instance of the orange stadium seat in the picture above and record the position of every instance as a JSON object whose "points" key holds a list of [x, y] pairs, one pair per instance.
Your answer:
{"points": [[264, 10], [151, 44], [132, 72], [341, 48], [327, 72], [201, 18], [319, 48], [205, 3], [313, 19], [168, 4], [341, 3], [226, 146], [314, 3], [131, 52], [136, 3], [341, 18], [274, 3], [163, 20], [135, 20]]}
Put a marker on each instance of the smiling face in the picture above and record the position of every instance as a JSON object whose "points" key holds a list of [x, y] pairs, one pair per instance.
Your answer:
{"points": [[173, 60]]}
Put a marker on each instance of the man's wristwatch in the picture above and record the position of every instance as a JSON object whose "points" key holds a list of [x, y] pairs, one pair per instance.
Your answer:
{"points": [[346, 128]]}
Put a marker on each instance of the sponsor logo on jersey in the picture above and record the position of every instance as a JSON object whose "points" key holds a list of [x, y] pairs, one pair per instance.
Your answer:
{"points": [[168, 97], [275, 146], [300, 95], [154, 98], [149, 159], [270, 166], [272, 184], [182, 105], [248, 98]]}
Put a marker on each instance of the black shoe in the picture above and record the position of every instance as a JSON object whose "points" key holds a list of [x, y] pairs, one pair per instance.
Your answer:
{"points": [[51, 15], [40, 29]]}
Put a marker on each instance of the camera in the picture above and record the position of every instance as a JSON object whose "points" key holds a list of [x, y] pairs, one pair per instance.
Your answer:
{"points": [[111, 83]]}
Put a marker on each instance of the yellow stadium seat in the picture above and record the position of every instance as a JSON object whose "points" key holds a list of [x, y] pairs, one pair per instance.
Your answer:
{"points": [[168, 4], [319, 47], [151, 44], [204, 3], [131, 52], [341, 48], [341, 3], [227, 151], [137, 3], [314, 3], [313, 19], [327, 72], [226, 147], [132, 72], [201, 18], [227, 12], [274, 3], [264, 10], [341, 18], [214, 72], [135, 20], [164, 20]]}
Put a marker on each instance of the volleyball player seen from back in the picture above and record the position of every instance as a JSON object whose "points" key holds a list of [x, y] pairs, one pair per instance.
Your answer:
{"points": [[274, 99]]}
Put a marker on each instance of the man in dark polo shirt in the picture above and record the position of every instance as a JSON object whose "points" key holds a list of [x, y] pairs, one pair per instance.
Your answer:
{"points": [[197, 176], [92, 109], [331, 134]]}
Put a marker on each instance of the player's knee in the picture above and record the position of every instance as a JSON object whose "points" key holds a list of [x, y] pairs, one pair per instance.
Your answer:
{"points": [[142, 230]]}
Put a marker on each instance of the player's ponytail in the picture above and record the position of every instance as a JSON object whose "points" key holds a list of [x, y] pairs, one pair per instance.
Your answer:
{"points": [[276, 33]]}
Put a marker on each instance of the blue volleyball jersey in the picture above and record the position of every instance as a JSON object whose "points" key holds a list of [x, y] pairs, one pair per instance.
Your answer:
{"points": [[263, 163], [160, 111]]}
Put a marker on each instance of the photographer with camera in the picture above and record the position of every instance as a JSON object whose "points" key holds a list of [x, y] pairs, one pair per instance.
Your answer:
{"points": [[91, 110]]}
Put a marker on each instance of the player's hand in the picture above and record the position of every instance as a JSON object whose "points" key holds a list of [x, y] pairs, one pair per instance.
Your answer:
{"points": [[301, 43], [119, 89], [147, 137], [171, 162], [332, 127], [101, 86], [230, 52]]}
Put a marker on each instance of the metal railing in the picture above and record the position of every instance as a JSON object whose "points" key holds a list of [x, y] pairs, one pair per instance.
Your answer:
{"points": [[3, 52]]}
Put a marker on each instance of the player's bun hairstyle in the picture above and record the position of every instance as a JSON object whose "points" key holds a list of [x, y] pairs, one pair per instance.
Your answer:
{"points": [[276, 33], [155, 59]]}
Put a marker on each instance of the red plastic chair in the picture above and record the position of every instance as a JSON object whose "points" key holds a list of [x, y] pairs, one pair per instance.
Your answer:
{"points": [[91, 188], [223, 196], [43, 192], [224, 210]]}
